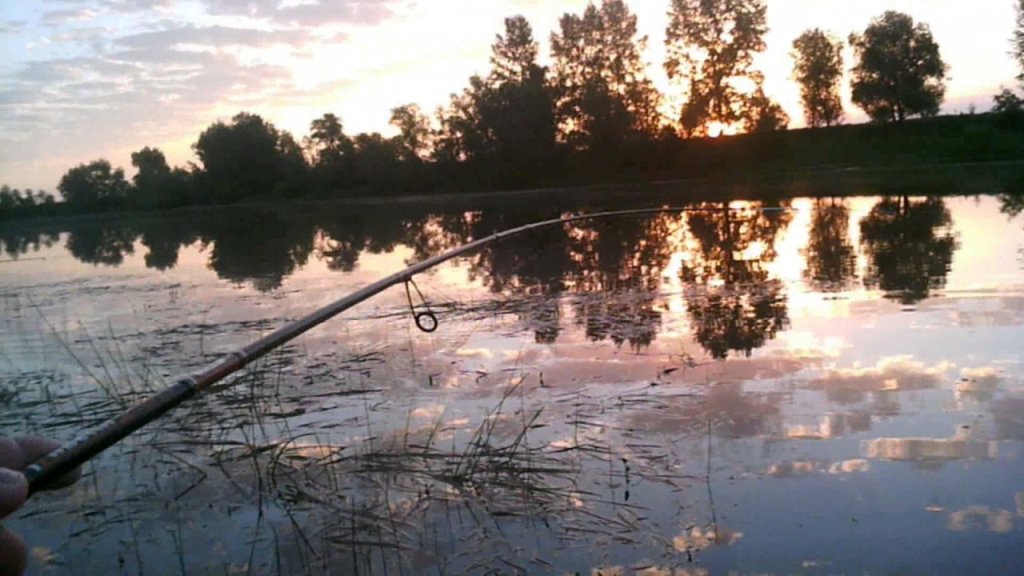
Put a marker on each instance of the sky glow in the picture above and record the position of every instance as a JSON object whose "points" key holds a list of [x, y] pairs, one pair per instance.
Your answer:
{"points": [[80, 80]]}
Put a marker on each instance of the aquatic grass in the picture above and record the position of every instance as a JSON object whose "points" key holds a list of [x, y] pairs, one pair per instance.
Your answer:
{"points": [[362, 489]]}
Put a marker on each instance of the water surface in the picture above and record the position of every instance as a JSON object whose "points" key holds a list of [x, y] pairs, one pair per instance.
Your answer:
{"points": [[808, 385]]}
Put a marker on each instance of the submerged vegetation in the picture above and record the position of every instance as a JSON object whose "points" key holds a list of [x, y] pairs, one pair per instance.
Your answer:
{"points": [[592, 116]]}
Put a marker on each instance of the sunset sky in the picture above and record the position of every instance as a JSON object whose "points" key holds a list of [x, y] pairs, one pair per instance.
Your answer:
{"points": [[80, 80]]}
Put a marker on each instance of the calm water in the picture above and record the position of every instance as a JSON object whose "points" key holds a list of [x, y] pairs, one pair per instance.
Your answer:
{"points": [[836, 387]]}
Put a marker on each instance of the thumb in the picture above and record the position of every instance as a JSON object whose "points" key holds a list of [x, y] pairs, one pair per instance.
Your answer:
{"points": [[13, 491]]}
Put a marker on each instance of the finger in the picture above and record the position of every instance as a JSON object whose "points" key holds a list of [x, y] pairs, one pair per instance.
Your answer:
{"points": [[13, 491], [10, 454], [35, 447], [12, 554]]}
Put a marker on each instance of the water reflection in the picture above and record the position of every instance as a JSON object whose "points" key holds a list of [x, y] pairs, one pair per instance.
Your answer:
{"points": [[732, 302], [910, 245], [930, 452], [606, 276], [817, 412], [257, 247], [831, 258], [101, 244]]}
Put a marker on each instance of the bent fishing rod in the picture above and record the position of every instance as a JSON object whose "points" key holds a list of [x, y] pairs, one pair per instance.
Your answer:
{"points": [[65, 459]]}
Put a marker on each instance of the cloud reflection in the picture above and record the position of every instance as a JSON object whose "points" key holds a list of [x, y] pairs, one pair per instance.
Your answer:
{"points": [[981, 518], [929, 450]]}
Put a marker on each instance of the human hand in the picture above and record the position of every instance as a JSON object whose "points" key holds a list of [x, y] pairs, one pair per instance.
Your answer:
{"points": [[16, 455]]}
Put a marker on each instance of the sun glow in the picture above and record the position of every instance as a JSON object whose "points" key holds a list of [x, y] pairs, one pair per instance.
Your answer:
{"points": [[716, 129]]}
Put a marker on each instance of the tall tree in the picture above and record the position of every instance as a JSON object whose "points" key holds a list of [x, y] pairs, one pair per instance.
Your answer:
{"points": [[818, 68], [414, 131], [762, 114], [95, 183], [899, 71], [514, 55], [603, 93], [248, 157], [327, 140], [1018, 40], [506, 120], [156, 184], [331, 153], [710, 47]]}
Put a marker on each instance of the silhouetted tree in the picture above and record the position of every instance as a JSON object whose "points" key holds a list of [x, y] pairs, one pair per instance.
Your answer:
{"points": [[1018, 40], [514, 55], [248, 158], [151, 165], [831, 260], [327, 138], [503, 124], [94, 184], [331, 154], [414, 132], [909, 245], [1007, 102], [761, 114], [8, 201], [899, 71], [710, 49], [604, 95], [818, 68], [378, 162], [156, 184]]}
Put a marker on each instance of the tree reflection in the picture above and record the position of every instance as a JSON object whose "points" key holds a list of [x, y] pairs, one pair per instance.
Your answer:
{"points": [[164, 239], [17, 242], [532, 267], [732, 303], [104, 244], [257, 247], [619, 263], [831, 260], [909, 245]]}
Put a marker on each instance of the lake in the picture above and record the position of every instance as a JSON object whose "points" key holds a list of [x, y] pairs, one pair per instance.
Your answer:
{"points": [[816, 385]]}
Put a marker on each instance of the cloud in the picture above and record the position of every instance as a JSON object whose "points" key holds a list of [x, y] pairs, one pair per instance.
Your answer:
{"points": [[67, 15], [217, 36], [104, 77], [11, 26], [308, 13]]}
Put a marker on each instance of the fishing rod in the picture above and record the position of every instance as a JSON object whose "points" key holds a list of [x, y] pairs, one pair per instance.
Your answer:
{"points": [[80, 450]]}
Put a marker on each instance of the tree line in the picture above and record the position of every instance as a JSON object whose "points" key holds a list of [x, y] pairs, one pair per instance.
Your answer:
{"points": [[592, 114]]}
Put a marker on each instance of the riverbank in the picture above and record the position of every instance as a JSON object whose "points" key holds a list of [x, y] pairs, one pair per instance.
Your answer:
{"points": [[967, 153]]}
